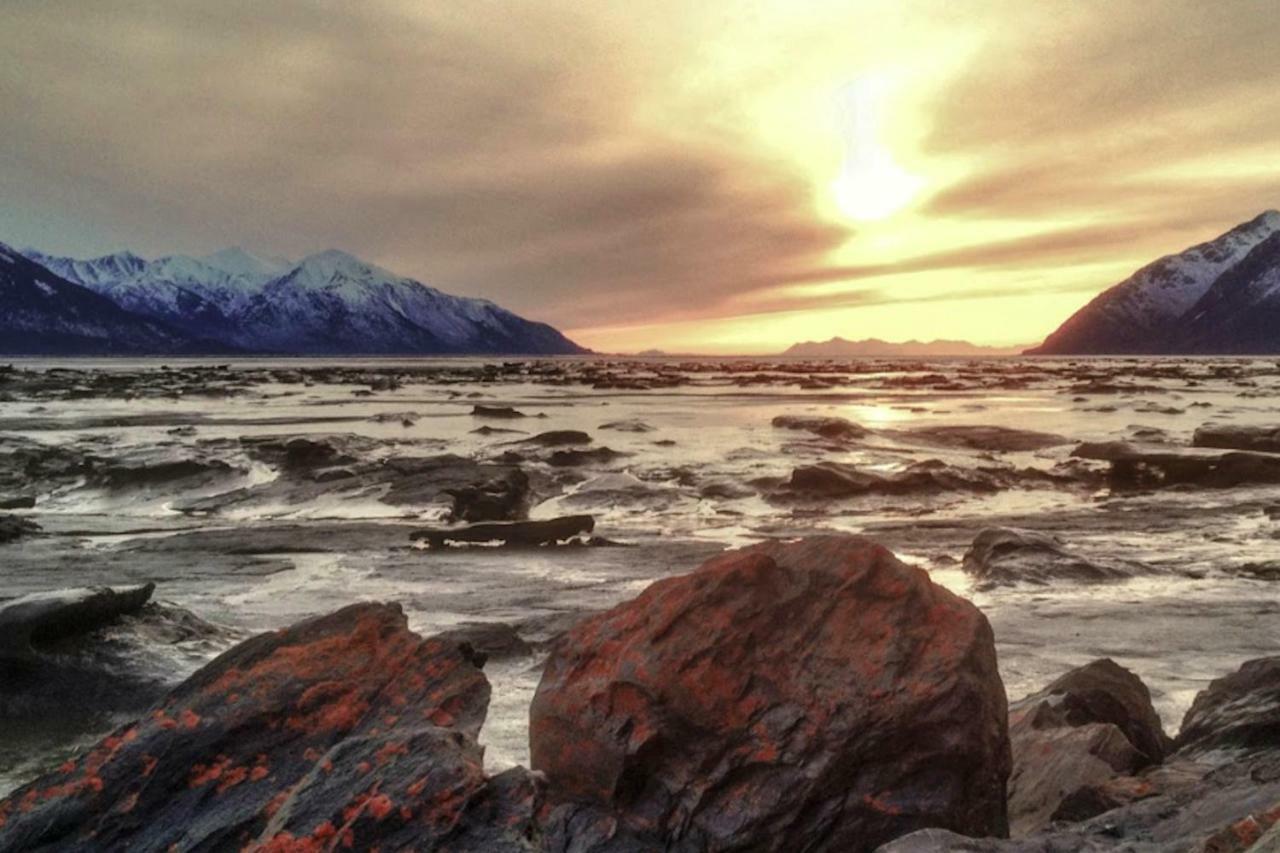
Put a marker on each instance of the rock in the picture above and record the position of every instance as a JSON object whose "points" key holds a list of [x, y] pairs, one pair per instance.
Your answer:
{"points": [[1135, 465], [989, 438], [503, 412], [836, 480], [485, 641], [45, 618], [575, 458], [838, 429], [14, 527], [477, 491], [1238, 437], [1227, 807], [490, 430], [627, 426], [342, 731], [1090, 725], [558, 438], [1239, 712], [1102, 691], [515, 534], [1006, 555], [146, 474], [810, 695], [1051, 763], [18, 502], [503, 498]]}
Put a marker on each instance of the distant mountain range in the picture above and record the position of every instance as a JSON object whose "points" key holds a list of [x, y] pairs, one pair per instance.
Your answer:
{"points": [[1219, 298], [841, 348], [329, 303]]}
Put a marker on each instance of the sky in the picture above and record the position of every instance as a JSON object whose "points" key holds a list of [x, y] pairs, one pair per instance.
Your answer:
{"points": [[696, 177]]}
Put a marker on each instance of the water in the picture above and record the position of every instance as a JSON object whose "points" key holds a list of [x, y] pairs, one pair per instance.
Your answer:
{"points": [[700, 469]]}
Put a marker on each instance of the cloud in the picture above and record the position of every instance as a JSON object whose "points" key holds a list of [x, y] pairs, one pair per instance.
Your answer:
{"points": [[489, 155], [603, 164]]}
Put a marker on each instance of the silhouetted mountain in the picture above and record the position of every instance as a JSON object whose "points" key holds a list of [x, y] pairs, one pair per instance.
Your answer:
{"points": [[1149, 312], [841, 348]]}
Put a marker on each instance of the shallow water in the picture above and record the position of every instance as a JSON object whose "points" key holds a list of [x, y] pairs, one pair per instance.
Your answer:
{"points": [[700, 477]]}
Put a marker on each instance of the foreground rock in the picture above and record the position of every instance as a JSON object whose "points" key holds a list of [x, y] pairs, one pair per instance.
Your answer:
{"points": [[1218, 791], [1092, 724], [1135, 465], [1240, 711], [346, 731], [515, 534], [814, 695], [1006, 555]]}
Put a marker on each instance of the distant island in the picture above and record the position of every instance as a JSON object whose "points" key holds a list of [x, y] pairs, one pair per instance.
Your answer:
{"points": [[841, 348]]}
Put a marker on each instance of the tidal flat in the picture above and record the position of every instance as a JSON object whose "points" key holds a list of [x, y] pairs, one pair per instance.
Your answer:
{"points": [[1122, 508]]}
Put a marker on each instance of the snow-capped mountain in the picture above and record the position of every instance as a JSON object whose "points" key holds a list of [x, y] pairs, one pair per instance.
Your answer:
{"points": [[1145, 313], [329, 303], [1240, 313], [41, 313]]}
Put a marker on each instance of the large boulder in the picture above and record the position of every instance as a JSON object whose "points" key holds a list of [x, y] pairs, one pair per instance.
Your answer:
{"points": [[1240, 711], [1089, 726], [344, 731], [809, 695], [1007, 555]]}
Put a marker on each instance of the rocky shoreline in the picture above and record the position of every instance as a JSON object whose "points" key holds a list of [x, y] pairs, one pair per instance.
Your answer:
{"points": [[808, 695]]}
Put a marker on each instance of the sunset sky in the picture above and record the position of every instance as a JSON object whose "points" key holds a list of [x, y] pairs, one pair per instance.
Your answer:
{"points": [[711, 177]]}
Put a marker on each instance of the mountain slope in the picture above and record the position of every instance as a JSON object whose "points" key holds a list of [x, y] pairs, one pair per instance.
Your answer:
{"points": [[42, 313], [1142, 313], [1240, 313], [334, 303], [331, 303], [841, 348]]}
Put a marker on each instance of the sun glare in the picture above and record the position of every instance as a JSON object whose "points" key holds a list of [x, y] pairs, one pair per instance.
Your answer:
{"points": [[871, 185]]}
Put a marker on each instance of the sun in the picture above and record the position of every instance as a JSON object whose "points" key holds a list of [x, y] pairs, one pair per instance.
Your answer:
{"points": [[871, 185]]}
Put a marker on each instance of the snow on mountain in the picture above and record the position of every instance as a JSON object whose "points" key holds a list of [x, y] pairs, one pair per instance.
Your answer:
{"points": [[335, 302], [92, 271], [330, 302], [1240, 313], [237, 262], [42, 313], [1142, 313]]}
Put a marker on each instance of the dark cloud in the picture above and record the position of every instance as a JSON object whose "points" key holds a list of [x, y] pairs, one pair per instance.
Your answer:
{"points": [[498, 148], [491, 154]]}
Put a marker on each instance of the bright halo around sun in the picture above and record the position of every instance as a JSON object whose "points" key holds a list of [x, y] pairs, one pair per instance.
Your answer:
{"points": [[871, 185]]}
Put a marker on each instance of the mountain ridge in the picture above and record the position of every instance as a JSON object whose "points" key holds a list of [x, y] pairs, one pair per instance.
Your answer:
{"points": [[838, 347], [329, 303], [1146, 313]]}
